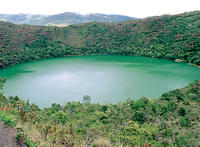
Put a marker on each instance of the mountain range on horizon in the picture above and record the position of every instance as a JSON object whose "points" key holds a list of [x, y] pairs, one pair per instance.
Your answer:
{"points": [[62, 19]]}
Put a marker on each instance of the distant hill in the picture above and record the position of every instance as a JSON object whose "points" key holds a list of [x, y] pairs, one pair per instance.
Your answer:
{"points": [[22, 18], [62, 19]]}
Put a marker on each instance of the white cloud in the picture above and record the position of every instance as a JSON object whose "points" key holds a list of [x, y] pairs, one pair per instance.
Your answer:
{"points": [[135, 8]]}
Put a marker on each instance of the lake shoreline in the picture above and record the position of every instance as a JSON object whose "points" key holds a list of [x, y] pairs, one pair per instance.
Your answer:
{"points": [[68, 79]]}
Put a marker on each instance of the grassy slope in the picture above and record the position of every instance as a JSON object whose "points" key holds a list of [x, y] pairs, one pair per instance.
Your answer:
{"points": [[170, 37]]}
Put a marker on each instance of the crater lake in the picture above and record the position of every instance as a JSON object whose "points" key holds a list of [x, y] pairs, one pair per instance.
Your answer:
{"points": [[106, 78]]}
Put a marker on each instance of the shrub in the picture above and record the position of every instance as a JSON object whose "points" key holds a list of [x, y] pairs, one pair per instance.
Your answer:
{"points": [[182, 111], [8, 119], [139, 116], [183, 122], [60, 117], [168, 133], [19, 136]]}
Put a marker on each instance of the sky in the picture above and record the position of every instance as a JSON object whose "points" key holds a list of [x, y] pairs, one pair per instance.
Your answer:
{"points": [[134, 8]]}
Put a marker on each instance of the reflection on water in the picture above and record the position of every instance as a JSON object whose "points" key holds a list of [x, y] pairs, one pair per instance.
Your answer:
{"points": [[105, 78]]}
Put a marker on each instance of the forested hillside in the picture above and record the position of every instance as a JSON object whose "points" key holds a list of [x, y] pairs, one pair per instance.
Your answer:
{"points": [[169, 37]]}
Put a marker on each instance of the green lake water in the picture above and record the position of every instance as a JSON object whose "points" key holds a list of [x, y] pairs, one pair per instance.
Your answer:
{"points": [[107, 79]]}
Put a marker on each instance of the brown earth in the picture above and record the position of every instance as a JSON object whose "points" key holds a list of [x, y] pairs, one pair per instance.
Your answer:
{"points": [[6, 137]]}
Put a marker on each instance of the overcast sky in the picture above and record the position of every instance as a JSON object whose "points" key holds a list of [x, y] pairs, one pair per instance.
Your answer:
{"points": [[134, 8]]}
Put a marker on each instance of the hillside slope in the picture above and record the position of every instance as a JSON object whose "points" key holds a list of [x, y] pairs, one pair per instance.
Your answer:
{"points": [[169, 37]]}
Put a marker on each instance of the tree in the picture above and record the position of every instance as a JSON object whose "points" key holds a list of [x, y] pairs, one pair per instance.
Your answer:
{"points": [[86, 99]]}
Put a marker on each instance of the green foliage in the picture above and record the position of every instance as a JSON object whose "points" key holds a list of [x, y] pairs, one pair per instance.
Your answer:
{"points": [[132, 134], [30, 143], [59, 117], [7, 119], [183, 122], [19, 136], [182, 111], [165, 121], [86, 99], [13, 100], [173, 37], [2, 81], [168, 133], [139, 116]]}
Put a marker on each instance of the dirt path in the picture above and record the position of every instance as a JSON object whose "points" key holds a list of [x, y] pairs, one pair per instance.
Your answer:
{"points": [[6, 136]]}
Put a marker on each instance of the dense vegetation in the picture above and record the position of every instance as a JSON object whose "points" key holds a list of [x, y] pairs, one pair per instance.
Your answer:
{"points": [[171, 37], [171, 120]]}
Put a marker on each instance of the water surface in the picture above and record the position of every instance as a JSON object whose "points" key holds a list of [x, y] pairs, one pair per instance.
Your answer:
{"points": [[107, 79]]}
